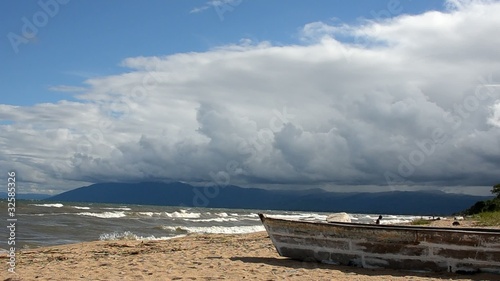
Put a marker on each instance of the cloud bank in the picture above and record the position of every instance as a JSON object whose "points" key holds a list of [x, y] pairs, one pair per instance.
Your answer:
{"points": [[408, 101]]}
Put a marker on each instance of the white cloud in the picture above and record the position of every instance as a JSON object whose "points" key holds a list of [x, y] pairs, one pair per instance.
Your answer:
{"points": [[220, 6], [67, 89], [326, 113], [196, 10], [495, 116]]}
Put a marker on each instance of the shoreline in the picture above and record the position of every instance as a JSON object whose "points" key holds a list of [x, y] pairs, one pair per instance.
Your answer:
{"points": [[193, 257]]}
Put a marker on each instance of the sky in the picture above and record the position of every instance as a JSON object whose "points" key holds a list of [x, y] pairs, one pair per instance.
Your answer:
{"points": [[341, 95]]}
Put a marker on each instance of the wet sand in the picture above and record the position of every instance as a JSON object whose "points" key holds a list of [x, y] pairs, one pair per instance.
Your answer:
{"points": [[195, 257]]}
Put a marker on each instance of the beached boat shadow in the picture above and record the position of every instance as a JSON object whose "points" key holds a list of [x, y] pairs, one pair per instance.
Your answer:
{"points": [[353, 270]]}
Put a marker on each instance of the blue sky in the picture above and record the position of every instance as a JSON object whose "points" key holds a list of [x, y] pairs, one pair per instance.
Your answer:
{"points": [[87, 39], [342, 95]]}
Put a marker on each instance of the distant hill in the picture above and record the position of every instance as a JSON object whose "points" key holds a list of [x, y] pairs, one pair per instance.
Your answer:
{"points": [[181, 194]]}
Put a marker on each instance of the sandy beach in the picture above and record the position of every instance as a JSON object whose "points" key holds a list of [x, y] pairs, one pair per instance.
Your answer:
{"points": [[195, 257]]}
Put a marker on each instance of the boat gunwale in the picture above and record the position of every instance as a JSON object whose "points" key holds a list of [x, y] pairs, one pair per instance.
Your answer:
{"points": [[464, 230]]}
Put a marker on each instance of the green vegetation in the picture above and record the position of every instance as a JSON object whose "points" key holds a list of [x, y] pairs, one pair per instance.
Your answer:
{"points": [[487, 212], [491, 205], [488, 218], [496, 190], [420, 222]]}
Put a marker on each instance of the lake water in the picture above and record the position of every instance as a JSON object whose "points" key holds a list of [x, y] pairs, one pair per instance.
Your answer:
{"points": [[41, 223]]}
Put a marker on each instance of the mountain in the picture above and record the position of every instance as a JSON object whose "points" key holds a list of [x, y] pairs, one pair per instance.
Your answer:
{"points": [[181, 194]]}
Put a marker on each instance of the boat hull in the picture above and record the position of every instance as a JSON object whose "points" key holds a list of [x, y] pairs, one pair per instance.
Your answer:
{"points": [[384, 246]]}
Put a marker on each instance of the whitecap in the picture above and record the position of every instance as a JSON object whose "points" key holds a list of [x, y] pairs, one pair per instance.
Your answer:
{"points": [[128, 235], [105, 215], [176, 229], [216, 229], [253, 215], [302, 217], [117, 208], [214, 219], [149, 214], [81, 208], [56, 205], [183, 215]]}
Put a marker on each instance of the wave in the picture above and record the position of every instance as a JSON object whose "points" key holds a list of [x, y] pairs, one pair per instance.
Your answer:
{"points": [[386, 219], [397, 220], [56, 205], [175, 229], [358, 218], [215, 229], [253, 215], [105, 215], [125, 208], [127, 235], [183, 214], [46, 214], [222, 217], [303, 217], [81, 208], [214, 219], [149, 214]]}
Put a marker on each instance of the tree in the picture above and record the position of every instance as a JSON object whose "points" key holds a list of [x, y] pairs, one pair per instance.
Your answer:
{"points": [[496, 190]]}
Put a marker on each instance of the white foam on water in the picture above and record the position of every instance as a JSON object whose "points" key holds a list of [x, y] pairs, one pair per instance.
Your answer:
{"points": [[223, 215], [81, 208], [56, 205], [149, 214], [397, 220], [253, 215], [302, 217], [361, 218], [214, 219], [386, 219], [105, 215], [125, 208], [127, 235], [177, 229], [251, 219], [183, 214], [216, 229]]}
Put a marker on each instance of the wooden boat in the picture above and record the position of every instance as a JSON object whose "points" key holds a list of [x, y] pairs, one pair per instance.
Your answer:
{"points": [[387, 246]]}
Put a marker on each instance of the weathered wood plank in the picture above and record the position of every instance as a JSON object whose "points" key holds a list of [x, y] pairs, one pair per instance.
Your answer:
{"points": [[313, 242], [409, 248]]}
